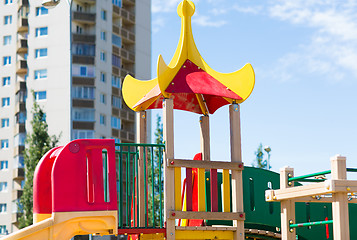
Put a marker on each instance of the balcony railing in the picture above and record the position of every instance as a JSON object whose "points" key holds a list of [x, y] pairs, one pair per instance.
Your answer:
{"points": [[83, 59], [18, 173], [129, 2], [124, 54], [83, 17], [83, 38], [121, 72], [19, 128], [21, 67], [16, 194], [124, 14], [126, 35]]}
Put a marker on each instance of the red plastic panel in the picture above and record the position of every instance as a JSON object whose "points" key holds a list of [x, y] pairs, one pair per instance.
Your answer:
{"points": [[77, 177], [42, 194], [189, 189], [195, 222], [214, 191]]}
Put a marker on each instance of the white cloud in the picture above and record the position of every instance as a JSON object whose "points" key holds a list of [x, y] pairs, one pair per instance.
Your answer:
{"points": [[332, 50], [206, 21], [157, 24], [158, 6], [252, 10]]}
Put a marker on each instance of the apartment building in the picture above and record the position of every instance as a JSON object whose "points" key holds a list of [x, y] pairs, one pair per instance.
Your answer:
{"points": [[74, 58]]}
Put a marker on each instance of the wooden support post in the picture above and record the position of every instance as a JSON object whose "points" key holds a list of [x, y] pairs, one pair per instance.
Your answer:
{"points": [[205, 149], [169, 173], [287, 206], [141, 138], [237, 180], [341, 230]]}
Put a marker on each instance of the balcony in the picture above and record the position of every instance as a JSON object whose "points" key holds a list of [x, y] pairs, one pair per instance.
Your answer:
{"points": [[87, 81], [84, 18], [21, 67], [16, 194], [15, 217], [129, 2], [83, 38], [22, 46], [127, 36], [20, 107], [127, 16], [18, 150], [127, 115], [20, 86], [121, 72], [22, 3], [18, 173], [19, 128], [83, 125], [83, 59], [90, 2], [83, 103], [125, 55], [22, 25]]}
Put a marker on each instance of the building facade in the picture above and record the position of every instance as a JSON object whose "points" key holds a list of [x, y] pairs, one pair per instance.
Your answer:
{"points": [[73, 58]]}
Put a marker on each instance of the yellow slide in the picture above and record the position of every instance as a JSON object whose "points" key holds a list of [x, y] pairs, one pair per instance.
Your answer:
{"points": [[65, 225]]}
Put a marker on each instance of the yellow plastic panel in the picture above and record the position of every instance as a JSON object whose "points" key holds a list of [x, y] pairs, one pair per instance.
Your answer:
{"points": [[226, 191], [206, 234], [178, 206], [201, 190]]}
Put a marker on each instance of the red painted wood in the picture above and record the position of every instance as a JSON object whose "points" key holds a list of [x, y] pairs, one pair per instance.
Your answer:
{"points": [[214, 191], [189, 189], [130, 231], [195, 222]]}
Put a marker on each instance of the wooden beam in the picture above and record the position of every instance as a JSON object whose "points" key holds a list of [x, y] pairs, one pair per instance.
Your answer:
{"points": [[141, 134], [207, 215], [287, 206], [341, 230], [205, 138], [169, 173], [205, 164], [237, 180]]}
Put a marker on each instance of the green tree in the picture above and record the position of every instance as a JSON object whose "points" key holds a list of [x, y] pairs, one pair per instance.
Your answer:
{"points": [[38, 143], [258, 161], [157, 159]]}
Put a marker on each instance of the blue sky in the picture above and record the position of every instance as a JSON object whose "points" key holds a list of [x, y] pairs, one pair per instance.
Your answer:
{"points": [[304, 53]]}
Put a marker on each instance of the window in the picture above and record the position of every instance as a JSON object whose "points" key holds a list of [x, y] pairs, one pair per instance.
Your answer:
{"points": [[116, 82], [40, 74], [79, 8], [116, 61], [4, 144], [3, 186], [78, 134], [83, 114], [115, 123], [6, 81], [102, 119], [7, 40], [5, 123], [7, 19], [41, 11], [83, 71], [116, 40], [40, 95], [103, 77], [19, 162], [41, 52], [20, 117], [79, 30], [3, 229], [103, 56], [42, 31], [103, 98], [103, 35], [4, 165], [19, 139], [103, 15], [83, 92], [116, 102], [2, 207], [8, 1], [84, 49], [6, 60], [5, 102], [117, 2]]}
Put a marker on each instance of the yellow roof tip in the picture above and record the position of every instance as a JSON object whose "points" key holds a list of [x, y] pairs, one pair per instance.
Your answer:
{"points": [[186, 8]]}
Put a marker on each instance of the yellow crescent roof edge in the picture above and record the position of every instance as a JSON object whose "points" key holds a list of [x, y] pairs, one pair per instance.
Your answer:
{"points": [[140, 88]]}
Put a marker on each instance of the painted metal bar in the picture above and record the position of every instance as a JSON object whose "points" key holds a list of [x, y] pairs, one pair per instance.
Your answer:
{"points": [[120, 183], [137, 184], [127, 205], [145, 188], [226, 191], [307, 224], [312, 180], [214, 191], [133, 194], [152, 186], [309, 175], [160, 184], [351, 169], [140, 144], [188, 189]]}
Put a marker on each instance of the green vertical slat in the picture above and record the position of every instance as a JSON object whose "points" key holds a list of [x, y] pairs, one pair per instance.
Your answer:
{"points": [[152, 186], [137, 184], [127, 187], [120, 207], [145, 189], [105, 165], [160, 189], [133, 189]]}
